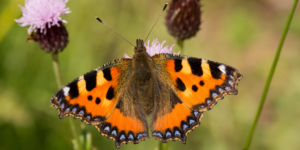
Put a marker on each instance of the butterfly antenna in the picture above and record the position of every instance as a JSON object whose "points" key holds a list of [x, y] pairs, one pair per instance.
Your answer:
{"points": [[113, 30], [157, 20]]}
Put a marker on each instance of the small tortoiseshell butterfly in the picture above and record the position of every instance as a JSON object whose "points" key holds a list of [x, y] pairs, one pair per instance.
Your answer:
{"points": [[173, 90]]}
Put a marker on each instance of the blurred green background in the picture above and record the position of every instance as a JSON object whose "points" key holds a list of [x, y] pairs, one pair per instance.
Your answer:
{"points": [[243, 34]]}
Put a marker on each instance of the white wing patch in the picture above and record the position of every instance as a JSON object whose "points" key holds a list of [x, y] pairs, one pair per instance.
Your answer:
{"points": [[222, 68], [66, 90]]}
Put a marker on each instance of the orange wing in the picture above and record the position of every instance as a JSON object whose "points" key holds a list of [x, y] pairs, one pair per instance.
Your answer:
{"points": [[124, 128], [194, 85], [199, 82], [176, 123], [97, 98], [90, 97]]}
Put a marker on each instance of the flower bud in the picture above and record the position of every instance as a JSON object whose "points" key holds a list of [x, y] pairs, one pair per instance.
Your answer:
{"points": [[183, 18]]}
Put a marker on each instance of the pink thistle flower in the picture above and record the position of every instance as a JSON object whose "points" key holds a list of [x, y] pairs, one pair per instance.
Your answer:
{"points": [[46, 26], [156, 48], [40, 13]]}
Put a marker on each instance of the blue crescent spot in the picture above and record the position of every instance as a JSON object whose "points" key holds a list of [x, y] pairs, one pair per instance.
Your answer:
{"points": [[220, 90], [168, 134], [214, 94], [130, 136], [139, 136], [122, 137], [60, 99], [68, 109], [227, 88], [107, 129], [230, 82], [97, 119], [196, 113], [114, 132], [81, 112], [145, 134], [177, 133], [62, 105], [154, 134], [74, 109], [159, 134], [208, 101], [191, 121], [88, 117], [231, 76], [185, 126]]}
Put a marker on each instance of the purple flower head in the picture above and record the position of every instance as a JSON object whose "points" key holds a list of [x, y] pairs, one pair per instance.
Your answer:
{"points": [[156, 48], [183, 18], [40, 13]]}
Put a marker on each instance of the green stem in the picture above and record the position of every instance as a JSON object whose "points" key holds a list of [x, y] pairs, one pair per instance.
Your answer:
{"points": [[56, 69], [271, 73], [59, 81], [180, 45], [163, 146]]}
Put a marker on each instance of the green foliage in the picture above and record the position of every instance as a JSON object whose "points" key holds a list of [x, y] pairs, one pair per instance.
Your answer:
{"points": [[243, 35]]}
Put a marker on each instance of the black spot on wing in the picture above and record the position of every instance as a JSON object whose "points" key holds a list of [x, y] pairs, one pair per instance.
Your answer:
{"points": [[215, 71], [90, 80], [194, 88], [73, 92], [196, 66], [107, 74], [180, 85], [178, 65], [110, 93], [97, 100], [90, 97], [201, 83]]}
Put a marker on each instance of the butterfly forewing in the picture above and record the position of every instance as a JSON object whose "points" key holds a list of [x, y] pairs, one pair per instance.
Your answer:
{"points": [[199, 82], [100, 97], [90, 97]]}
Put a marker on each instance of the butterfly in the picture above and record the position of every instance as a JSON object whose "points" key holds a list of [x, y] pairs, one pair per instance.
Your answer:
{"points": [[172, 90]]}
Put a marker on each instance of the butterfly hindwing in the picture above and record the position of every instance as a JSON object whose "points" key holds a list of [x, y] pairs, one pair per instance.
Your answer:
{"points": [[127, 123], [171, 119], [199, 82], [123, 128], [173, 123]]}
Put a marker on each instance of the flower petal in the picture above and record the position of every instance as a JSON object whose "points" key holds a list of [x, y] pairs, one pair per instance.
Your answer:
{"points": [[39, 13]]}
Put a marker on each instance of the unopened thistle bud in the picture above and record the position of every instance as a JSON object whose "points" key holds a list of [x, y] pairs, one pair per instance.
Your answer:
{"points": [[183, 18]]}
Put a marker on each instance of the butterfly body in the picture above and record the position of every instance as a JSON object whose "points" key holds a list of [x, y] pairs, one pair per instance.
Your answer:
{"points": [[173, 90]]}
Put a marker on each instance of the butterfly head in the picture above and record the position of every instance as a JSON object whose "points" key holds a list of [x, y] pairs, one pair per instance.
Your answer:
{"points": [[139, 46]]}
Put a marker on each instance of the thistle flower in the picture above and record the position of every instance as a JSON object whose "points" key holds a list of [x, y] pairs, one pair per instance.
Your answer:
{"points": [[183, 18], [46, 25], [156, 48]]}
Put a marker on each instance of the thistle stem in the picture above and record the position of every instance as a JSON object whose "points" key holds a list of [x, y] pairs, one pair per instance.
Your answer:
{"points": [[269, 79], [59, 81], [56, 69], [163, 146], [180, 45]]}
